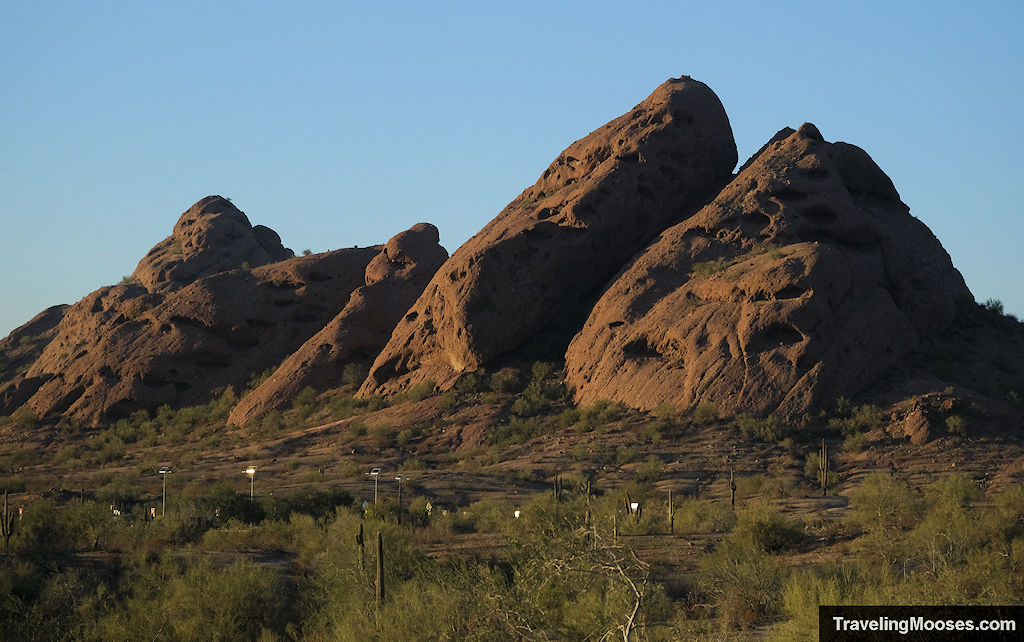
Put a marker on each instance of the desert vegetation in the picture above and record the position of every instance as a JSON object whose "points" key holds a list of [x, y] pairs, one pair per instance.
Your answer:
{"points": [[631, 533]]}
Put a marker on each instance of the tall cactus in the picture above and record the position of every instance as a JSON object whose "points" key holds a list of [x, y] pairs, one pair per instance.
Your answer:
{"points": [[6, 527], [359, 543], [732, 488], [671, 516], [380, 571], [823, 468]]}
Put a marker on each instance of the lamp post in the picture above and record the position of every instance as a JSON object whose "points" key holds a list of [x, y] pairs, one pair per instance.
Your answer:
{"points": [[164, 470], [251, 472], [399, 477], [374, 473]]}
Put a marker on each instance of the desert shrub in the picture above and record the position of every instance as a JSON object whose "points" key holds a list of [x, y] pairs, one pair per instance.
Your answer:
{"points": [[653, 431], [382, 435], [197, 600], [626, 454], [949, 528], [42, 531], [24, 418], [742, 583], [769, 429], [505, 380], [354, 373], [706, 412], [21, 457], [315, 502], [884, 507], [305, 402], [358, 427], [851, 419], [341, 407], [224, 502], [766, 529], [650, 470], [706, 516], [471, 383], [769, 486], [12, 484], [257, 378], [419, 392], [708, 268], [270, 425], [956, 425], [405, 436], [803, 592], [447, 401], [516, 430], [856, 442], [120, 490]]}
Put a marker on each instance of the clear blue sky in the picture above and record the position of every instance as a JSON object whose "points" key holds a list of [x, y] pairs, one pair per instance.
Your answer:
{"points": [[344, 123]]}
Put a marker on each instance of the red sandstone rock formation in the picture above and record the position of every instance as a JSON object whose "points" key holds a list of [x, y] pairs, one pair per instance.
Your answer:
{"points": [[802, 281], [537, 267]]}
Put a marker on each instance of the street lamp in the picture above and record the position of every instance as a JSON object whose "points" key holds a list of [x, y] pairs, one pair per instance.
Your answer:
{"points": [[373, 473], [164, 470], [251, 472], [399, 477]]}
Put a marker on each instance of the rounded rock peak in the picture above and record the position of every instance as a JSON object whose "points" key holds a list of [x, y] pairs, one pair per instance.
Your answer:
{"points": [[808, 130]]}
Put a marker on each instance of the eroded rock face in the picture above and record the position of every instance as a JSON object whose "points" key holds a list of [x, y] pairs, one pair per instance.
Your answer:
{"points": [[393, 281], [802, 281], [211, 236], [168, 340], [541, 262], [17, 352]]}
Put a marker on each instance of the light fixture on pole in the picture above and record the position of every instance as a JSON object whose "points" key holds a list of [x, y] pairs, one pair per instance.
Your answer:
{"points": [[399, 477], [251, 472], [164, 470], [374, 473]]}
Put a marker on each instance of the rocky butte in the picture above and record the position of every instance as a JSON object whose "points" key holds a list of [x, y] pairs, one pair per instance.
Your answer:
{"points": [[639, 258]]}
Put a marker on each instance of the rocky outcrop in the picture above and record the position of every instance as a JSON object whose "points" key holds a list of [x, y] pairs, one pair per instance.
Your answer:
{"points": [[19, 350], [536, 268], [394, 279], [802, 281], [164, 340], [210, 237]]}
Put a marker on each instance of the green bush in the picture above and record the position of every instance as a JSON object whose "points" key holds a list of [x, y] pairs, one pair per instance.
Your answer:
{"points": [[706, 412], [765, 529], [704, 516], [856, 442], [708, 268], [956, 425], [24, 418], [505, 380], [650, 471], [769, 429]]}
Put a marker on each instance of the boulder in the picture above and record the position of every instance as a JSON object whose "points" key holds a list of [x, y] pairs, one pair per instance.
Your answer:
{"points": [[804, 280], [535, 270]]}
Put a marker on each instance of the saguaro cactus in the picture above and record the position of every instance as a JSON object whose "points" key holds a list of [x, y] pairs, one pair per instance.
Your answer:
{"points": [[823, 468], [359, 543], [380, 571], [732, 487], [6, 527], [671, 515]]}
